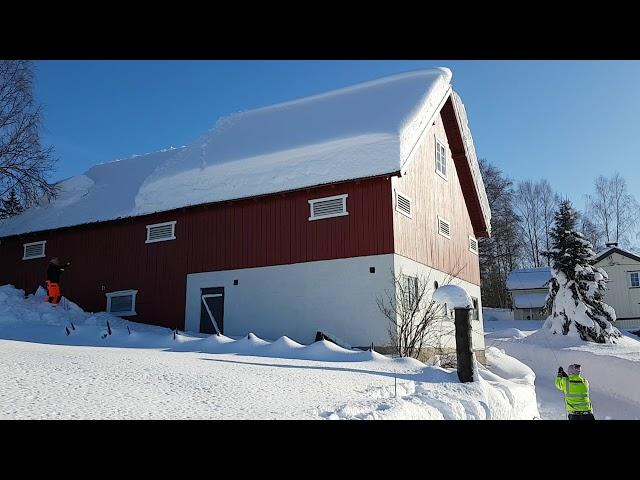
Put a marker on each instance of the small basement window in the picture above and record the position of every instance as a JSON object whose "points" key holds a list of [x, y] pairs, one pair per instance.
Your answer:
{"points": [[403, 204], [122, 303], [161, 232], [441, 159], [33, 250], [634, 279], [328, 207], [473, 245], [444, 227], [475, 314]]}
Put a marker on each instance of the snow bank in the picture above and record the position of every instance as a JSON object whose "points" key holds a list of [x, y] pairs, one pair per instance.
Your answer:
{"points": [[495, 314], [503, 391], [185, 382], [613, 370]]}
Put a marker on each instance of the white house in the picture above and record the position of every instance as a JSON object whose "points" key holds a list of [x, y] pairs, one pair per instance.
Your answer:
{"points": [[623, 287]]}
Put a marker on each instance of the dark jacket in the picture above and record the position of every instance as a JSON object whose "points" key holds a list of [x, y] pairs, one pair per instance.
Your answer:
{"points": [[54, 271]]}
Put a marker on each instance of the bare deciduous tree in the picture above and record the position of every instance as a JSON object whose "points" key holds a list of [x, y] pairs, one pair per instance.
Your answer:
{"points": [[24, 162], [529, 208], [613, 209], [416, 323]]}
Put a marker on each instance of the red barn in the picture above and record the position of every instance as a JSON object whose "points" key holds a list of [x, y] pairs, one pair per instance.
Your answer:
{"points": [[285, 220]]}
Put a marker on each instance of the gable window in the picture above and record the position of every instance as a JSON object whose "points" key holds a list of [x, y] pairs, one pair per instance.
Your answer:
{"points": [[444, 227], [403, 204], [33, 250], [441, 159], [160, 232], [122, 303], [328, 207], [473, 245], [634, 279]]}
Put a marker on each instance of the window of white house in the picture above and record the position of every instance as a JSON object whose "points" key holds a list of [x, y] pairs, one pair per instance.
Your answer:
{"points": [[441, 159], [33, 250], [122, 303], [160, 232], [444, 227], [473, 244], [328, 207], [403, 204], [634, 279]]}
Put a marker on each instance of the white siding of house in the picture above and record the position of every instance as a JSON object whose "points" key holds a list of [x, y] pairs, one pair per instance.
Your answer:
{"points": [[625, 300]]}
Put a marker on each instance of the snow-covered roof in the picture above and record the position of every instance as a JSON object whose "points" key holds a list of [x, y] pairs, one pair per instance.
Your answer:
{"points": [[528, 278], [529, 300], [609, 250], [357, 132]]}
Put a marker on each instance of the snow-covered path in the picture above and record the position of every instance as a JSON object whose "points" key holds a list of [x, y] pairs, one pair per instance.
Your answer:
{"points": [[612, 370]]}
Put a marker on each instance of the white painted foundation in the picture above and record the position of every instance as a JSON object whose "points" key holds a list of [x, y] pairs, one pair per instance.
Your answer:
{"points": [[337, 297]]}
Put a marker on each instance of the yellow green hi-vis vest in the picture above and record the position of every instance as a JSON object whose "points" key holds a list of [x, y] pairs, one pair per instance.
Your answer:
{"points": [[576, 393]]}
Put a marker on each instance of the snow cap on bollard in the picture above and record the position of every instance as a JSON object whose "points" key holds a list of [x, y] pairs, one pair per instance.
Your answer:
{"points": [[453, 296]]}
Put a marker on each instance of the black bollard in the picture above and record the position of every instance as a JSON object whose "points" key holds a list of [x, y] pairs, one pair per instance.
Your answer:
{"points": [[464, 351]]}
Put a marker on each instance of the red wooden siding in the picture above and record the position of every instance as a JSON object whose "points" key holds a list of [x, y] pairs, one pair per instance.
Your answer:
{"points": [[417, 238], [271, 230]]}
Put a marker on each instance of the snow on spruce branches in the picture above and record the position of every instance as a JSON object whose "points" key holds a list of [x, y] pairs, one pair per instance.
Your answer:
{"points": [[576, 288]]}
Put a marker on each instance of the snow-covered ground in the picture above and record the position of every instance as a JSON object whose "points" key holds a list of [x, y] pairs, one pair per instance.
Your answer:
{"points": [[149, 374], [613, 370]]}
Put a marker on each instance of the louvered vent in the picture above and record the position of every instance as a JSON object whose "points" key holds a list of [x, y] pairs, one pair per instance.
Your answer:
{"points": [[444, 228], [473, 245], [161, 232], [122, 304], [328, 207], [403, 204], [33, 250]]}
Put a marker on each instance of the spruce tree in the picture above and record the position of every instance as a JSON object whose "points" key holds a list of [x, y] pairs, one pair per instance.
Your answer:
{"points": [[11, 205], [576, 287]]}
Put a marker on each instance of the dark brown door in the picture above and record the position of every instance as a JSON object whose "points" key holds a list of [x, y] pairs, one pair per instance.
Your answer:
{"points": [[212, 310]]}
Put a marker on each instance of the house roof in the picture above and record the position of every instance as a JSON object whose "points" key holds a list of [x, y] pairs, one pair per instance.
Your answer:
{"points": [[608, 251], [362, 131], [528, 278]]}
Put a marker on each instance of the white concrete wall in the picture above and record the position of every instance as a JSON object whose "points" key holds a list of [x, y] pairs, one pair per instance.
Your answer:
{"points": [[333, 296], [624, 300], [412, 268]]}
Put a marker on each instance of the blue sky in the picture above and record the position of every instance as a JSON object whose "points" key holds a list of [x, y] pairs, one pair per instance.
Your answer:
{"points": [[567, 121]]}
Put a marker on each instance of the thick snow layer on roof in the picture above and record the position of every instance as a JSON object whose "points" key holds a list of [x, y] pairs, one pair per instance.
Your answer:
{"points": [[529, 300], [527, 278], [356, 132]]}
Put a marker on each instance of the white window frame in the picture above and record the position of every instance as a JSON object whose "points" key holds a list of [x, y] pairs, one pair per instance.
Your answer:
{"points": [[410, 204], [321, 217], [173, 232], [631, 285], [446, 163], [475, 312], [440, 232], [24, 250], [122, 293], [476, 251]]}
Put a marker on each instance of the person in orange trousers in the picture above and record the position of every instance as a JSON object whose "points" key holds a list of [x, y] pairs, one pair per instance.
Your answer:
{"points": [[53, 280]]}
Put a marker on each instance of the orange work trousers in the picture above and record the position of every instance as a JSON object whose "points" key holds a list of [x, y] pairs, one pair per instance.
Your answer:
{"points": [[53, 292]]}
